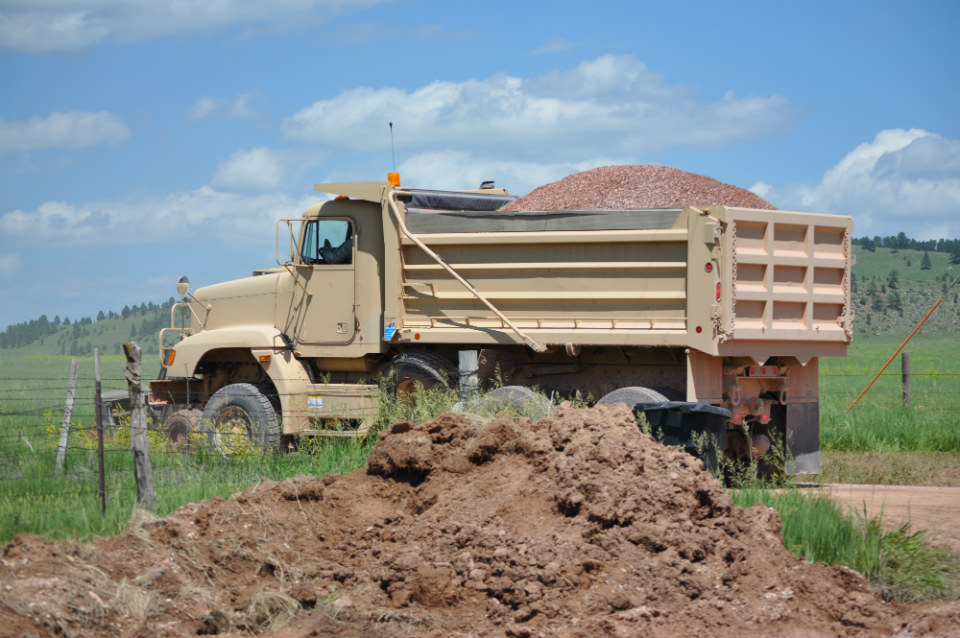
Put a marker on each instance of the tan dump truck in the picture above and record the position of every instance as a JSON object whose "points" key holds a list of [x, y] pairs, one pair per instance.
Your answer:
{"points": [[730, 307]]}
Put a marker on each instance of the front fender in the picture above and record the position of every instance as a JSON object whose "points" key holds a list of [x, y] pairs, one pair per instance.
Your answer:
{"points": [[192, 349]]}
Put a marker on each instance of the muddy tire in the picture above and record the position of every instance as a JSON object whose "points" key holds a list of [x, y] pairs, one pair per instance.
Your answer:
{"points": [[419, 367], [632, 395], [240, 418], [181, 428], [516, 399]]}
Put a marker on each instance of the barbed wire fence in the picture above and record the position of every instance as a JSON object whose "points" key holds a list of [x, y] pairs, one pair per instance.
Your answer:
{"points": [[59, 438], [32, 410]]}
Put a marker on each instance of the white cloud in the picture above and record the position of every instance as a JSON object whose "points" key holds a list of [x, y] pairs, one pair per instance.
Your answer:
{"points": [[9, 264], [254, 169], [903, 180], [239, 108], [73, 129], [462, 170], [221, 216], [613, 104], [761, 189], [554, 45], [66, 25], [379, 31], [204, 107]]}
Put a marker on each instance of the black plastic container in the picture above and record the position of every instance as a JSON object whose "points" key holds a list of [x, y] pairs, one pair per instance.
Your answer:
{"points": [[699, 428]]}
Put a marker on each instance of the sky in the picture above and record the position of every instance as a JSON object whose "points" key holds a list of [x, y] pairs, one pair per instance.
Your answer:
{"points": [[144, 140]]}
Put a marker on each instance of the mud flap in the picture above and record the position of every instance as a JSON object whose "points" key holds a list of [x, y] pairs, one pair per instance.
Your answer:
{"points": [[803, 438], [699, 428]]}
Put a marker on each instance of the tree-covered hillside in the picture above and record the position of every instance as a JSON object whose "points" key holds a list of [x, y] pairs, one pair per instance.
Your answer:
{"points": [[892, 290], [80, 336]]}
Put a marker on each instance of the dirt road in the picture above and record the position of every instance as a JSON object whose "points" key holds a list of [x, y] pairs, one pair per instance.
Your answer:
{"points": [[934, 509]]}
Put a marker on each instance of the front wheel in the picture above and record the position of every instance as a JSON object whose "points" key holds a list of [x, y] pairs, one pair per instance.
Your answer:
{"points": [[240, 418]]}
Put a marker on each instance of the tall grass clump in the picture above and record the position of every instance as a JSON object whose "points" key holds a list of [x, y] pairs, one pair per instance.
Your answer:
{"points": [[900, 565]]}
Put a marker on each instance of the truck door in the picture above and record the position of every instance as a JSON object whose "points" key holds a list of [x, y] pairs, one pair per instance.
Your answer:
{"points": [[325, 304]]}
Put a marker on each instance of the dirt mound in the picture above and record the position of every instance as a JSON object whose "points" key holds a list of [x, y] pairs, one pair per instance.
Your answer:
{"points": [[635, 186], [576, 525]]}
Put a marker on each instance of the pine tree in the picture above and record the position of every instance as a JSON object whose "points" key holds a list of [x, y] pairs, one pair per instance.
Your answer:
{"points": [[925, 264], [894, 302]]}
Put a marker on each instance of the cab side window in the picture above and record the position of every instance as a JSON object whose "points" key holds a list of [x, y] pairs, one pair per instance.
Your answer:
{"points": [[328, 241]]}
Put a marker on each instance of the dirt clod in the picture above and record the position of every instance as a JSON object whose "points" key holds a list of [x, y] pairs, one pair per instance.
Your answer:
{"points": [[576, 525]]}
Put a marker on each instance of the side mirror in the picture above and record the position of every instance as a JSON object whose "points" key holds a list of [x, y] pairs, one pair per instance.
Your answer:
{"points": [[183, 287]]}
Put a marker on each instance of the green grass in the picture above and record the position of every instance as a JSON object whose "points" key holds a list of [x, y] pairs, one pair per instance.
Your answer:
{"points": [[879, 421], [900, 565], [33, 498], [939, 469]]}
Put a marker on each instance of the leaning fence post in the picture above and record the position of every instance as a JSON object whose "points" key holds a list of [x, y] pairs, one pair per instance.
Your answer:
{"points": [[139, 442], [67, 415]]}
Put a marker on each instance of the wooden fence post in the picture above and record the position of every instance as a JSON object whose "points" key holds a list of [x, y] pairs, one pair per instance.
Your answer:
{"points": [[469, 384], [67, 415], [98, 406], [139, 441], [905, 375]]}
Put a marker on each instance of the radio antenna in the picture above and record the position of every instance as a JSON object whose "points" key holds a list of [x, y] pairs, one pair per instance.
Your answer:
{"points": [[393, 151]]}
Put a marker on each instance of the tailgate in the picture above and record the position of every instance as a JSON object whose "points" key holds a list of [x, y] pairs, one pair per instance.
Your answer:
{"points": [[785, 275]]}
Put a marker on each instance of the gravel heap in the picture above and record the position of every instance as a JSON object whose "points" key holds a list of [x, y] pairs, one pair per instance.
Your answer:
{"points": [[635, 186]]}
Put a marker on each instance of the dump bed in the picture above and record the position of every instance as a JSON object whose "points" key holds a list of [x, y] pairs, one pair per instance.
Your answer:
{"points": [[699, 278]]}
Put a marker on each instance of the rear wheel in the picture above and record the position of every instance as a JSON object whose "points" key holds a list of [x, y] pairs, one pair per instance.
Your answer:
{"points": [[516, 399], [419, 368], [181, 427], [240, 418], [632, 395]]}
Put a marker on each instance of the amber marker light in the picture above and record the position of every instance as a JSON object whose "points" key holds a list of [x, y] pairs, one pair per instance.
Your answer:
{"points": [[393, 178], [265, 358]]}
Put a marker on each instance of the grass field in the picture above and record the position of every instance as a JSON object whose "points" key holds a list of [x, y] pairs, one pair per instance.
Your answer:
{"points": [[880, 422], [34, 498]]}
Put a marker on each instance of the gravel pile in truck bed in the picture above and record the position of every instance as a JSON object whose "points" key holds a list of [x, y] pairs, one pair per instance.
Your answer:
{"points": [[635, 186]]}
